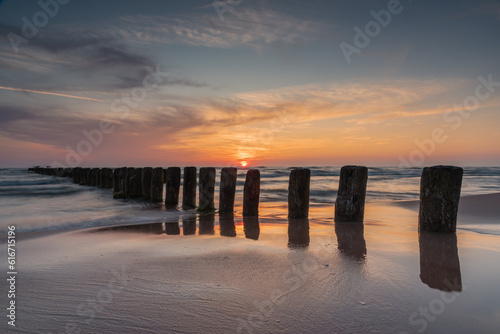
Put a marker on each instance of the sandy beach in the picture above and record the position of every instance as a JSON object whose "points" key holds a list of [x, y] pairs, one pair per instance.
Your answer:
{"points": [[351, 279]]}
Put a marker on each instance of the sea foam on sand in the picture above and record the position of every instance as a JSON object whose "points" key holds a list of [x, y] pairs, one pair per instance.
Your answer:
{"points": [[371, 278]]}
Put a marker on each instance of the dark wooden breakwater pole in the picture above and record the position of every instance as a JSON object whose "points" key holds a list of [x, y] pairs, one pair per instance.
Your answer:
{"points": [[157, 184], [173, 183], [298, 207], [251, 192], [227, 191], [189, 188], [135, 186], [298, 193], [147, 173], [439, 196], [227, 194], [206, 189], [350, 202]]}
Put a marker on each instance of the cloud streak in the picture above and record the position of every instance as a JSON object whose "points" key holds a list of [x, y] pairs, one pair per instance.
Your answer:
{"points": [[50, 93]]}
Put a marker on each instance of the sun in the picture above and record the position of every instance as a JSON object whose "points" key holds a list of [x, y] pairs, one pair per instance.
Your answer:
{"points": [[244, 164]]}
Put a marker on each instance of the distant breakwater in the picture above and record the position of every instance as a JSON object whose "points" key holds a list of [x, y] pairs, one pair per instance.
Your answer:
{"points": [[439, 191]]}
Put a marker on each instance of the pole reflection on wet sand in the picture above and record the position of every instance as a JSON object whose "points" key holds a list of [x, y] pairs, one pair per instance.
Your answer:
{"points": [[227, 226], [439, 262], [351, 240], [251, 227], [298, 232]]}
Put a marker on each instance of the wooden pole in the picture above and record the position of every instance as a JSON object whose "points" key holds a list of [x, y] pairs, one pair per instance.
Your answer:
{"points": [[251, 192], [189, 188], [350, 203], [227, 191], [173, 183], [135, 190], [157, 185], [439, 196], [147, 173], [206, 189], [298, 193]]}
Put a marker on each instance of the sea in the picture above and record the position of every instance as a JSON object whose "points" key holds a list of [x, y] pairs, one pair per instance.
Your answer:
{"points": [[34, 202]]}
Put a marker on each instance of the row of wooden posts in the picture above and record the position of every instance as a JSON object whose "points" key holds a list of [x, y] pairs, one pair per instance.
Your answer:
{"points": [[439, 190]]}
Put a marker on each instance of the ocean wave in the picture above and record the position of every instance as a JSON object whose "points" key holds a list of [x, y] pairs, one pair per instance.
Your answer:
{"points": [[39, 191], [33, 182]]}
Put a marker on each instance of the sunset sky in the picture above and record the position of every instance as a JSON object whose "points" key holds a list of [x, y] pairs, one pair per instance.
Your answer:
{"points": [[267, 82]]}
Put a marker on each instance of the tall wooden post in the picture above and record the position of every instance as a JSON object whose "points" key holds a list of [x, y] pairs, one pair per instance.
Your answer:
{"points": [[298, 193], [157, 185], [207, 189], [251, 192], [439, 196], [350, 203], [173, 183], [189, 188], [227, 191]]}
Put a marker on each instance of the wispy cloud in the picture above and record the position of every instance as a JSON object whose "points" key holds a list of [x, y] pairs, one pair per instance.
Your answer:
{"points": [[50, 93], [246, 26]]}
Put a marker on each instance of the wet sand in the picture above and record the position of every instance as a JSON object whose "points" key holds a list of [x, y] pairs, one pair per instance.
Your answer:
{"points": [[380, 277]]}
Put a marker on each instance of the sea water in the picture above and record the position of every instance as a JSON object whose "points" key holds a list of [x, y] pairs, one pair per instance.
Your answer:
{"points": [[34, 202]]}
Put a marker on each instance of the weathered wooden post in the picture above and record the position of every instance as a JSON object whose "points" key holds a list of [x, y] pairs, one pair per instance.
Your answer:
{"points": [[157, 185], [94, 176], [189, 188], [147, 173], [77, 175], [350, 202], [439, 197], [116, 180], [135, 190], [97, 177], [103, 175], [298, 193], [123, 180], [67, 172], [206, 189], [129, 173], [84, 180], [119, 175], [227, 191], [81, 176], [173, 183], [251, 192], [439, 262], [109, 178]]}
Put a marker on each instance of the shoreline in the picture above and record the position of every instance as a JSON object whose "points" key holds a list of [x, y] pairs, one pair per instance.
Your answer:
{"points": [[473, 210], [351, 278]]}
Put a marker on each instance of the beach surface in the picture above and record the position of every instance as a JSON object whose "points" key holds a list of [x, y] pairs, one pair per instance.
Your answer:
{"points": [[380, 277]]}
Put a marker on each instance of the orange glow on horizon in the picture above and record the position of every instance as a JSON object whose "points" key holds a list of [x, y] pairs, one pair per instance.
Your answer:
{"points": [[244, 164]]}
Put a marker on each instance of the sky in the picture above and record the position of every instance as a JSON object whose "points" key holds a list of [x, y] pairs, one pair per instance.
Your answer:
{"points": [[225, 83]]}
